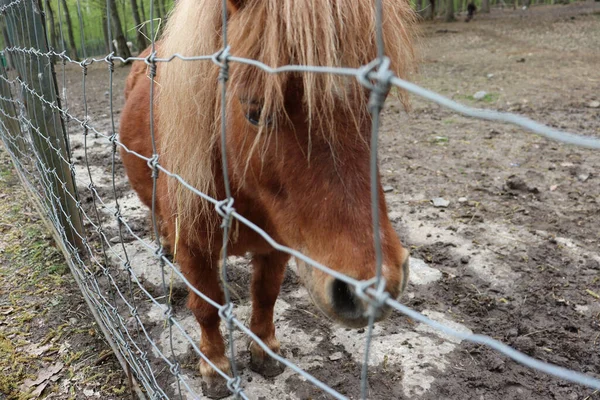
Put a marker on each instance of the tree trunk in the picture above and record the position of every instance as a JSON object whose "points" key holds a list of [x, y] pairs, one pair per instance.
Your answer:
{"points": [[157, 13], [105, 32], [123, 50], [141, 39], [449, 11], [161, 6], [485, 6], [51, 23], [430, 11], [143, 13], [72, 45]]}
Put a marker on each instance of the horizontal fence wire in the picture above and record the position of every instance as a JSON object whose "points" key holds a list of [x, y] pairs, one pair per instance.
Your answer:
{"points": [[104, 269]]}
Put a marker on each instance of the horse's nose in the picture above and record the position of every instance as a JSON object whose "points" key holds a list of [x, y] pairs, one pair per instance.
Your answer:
{"points": [[345, 302], [350, 308]]}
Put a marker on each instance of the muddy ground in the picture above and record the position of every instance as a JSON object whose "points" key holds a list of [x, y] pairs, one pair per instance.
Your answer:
{"points": [[514, 255]]}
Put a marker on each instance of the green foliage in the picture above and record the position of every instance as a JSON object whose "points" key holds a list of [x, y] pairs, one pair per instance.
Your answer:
{"points": [[89, 16]]}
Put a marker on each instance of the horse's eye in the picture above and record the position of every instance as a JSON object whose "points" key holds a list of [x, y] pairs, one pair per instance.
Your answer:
{"points": [[253, 116]]}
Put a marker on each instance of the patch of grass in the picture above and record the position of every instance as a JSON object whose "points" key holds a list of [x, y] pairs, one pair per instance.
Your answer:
{"points": [[488, 98]]}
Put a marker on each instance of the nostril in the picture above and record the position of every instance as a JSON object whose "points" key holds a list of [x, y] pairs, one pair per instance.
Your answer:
{"points": [[343, 298]]}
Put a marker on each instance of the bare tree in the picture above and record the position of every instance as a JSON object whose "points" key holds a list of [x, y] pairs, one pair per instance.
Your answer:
{"points": [[141, 39], [50, 15], [105, 31], [429, 12], [70, 30], [449, 15], [161, 7], [485, 6], [121, 49], [155, 10]]}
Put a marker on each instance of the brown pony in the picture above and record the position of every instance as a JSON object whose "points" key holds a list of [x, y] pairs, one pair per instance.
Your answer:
{"points": [[298, 154]]}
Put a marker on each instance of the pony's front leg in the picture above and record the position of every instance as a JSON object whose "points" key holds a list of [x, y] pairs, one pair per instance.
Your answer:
{"points": [[203, 274], [269, 271]]}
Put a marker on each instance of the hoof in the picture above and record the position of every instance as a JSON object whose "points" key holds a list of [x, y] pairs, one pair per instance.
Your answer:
{"points": [[266, 366], [215, 388]]}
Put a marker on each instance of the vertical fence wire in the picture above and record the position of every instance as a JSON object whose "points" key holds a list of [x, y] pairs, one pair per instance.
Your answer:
{"points": [[227, 311]]}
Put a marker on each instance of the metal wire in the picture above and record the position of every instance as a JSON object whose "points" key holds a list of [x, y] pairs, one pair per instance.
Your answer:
{"points": [[117, 297]]}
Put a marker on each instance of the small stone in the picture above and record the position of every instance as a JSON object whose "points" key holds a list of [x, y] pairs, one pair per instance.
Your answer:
{"points": [[440, 202], [479, 95], [525, 344], [336, 356], [490, 76], [465, 259], [583, 177], [387, 189], [594, 104], [493, 133], [553, 188], [496, 364], [115, 239], [361, 330], [462, 199]]}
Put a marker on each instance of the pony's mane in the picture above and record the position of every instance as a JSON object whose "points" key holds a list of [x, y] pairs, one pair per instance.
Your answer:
{"points": [[334, 33]]}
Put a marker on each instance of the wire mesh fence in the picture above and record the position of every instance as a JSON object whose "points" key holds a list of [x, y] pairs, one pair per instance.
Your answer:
{"points": [[49, 145]]}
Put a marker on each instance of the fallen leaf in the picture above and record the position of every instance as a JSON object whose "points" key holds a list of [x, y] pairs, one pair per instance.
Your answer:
{"points": [[38, 391], [34, 350], [7, 311], [44, 375]]}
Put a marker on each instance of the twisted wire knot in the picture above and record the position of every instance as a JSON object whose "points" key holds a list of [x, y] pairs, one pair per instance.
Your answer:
{"points": [[168, 313], [234, 385], [221, 58], [226, 312], [377, 299], [83, 64], [151, 62], [175, 369], [377, 77], [110, 61], [153, 165], [225, 208], [159, 252]]}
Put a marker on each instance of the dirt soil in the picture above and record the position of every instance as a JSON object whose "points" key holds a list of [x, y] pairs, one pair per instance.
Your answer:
{"points": [[515, 253], [50, 345]]}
